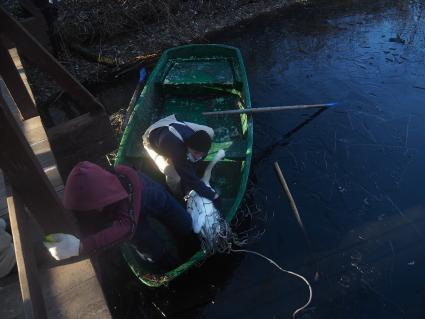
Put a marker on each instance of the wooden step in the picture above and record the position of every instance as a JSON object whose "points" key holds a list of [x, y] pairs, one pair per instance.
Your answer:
{"points": [[36, 136], [69, 291]]}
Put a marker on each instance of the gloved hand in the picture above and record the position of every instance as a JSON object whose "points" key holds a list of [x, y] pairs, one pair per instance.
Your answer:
{"points": [[62, 246], [217, 202]]}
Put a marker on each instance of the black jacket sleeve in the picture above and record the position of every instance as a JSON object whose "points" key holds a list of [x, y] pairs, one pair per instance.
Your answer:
{"points": [[171, 147]]}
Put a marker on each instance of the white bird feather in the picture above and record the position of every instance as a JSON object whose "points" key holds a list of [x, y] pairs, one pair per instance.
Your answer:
{"points": [[205, 217]]}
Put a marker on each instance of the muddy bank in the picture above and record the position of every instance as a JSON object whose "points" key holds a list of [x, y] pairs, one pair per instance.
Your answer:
{"points": [[92, 59]]}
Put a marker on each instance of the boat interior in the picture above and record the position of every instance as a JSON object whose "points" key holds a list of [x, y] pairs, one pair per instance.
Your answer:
{"points": [[187, 87]]}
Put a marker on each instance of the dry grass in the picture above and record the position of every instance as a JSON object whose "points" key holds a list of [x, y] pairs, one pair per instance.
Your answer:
{"points": [[87, 20], [95, 38]]}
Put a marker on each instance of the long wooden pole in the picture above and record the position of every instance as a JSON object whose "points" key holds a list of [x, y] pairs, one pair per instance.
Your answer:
{"points": [[270, 109], [296, 213], [291, 201]]}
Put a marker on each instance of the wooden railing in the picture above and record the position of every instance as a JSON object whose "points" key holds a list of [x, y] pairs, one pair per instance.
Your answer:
{"points": [[29, 191]]}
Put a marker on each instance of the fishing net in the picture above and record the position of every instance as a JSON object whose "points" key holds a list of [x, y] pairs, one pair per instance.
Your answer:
{"points": [[252, 218], [214, 232]]}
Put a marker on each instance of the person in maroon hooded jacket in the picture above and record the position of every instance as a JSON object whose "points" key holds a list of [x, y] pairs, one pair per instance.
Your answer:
{"points": [[112, 207]]}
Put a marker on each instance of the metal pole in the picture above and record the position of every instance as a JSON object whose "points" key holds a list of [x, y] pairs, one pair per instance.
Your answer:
{"points": [[269, 109]]}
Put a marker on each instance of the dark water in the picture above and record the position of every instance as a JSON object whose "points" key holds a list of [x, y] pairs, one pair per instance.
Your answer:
{"points": [[356, 172]]}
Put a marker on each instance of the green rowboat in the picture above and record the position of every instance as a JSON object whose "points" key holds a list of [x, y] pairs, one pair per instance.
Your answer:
{"points": [[187, 81]]}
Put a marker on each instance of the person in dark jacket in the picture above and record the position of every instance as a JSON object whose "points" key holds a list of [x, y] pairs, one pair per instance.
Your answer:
{"points": [[7, 252], [113, 207], [175, 147]]}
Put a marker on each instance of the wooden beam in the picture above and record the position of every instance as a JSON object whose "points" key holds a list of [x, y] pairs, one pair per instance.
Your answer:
{"points": [[27, 178], [15, 84], [72, 290], [37, 23], [91, 137], [64, 290], [40, 57], [32, 297]]}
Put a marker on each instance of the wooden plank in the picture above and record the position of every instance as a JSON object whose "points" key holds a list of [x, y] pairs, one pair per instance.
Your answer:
{"points": [[36, 24], [34, 52], [52, 174], [91, 137], [3, 203], [73, 291], [33, 302], [26, 175], [63, 291], [4, 91], [16, 85], [35, 134], [18, 64], [69, 291], [30, 124], [44, 155], [101, 139]]}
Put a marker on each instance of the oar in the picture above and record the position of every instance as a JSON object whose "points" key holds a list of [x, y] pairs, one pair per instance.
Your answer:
{"points": [[270, 109], [142, 77]]}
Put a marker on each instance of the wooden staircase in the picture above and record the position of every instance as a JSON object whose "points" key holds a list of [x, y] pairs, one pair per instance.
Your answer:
{"points": [[31, 185]]}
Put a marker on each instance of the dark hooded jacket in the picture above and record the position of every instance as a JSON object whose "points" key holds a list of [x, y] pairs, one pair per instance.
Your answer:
{"points": [[100, 198], [168, 145]]}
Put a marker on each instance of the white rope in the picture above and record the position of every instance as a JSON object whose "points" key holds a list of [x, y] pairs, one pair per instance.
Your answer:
{"points": [[216, 237], [310, 290]]}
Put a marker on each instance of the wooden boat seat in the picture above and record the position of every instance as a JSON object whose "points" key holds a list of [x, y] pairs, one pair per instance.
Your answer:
{"points": [[192, 77], [235, 150], [228, 135]]}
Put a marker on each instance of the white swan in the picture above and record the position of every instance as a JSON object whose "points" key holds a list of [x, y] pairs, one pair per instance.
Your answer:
{"points": [[205, 217]]}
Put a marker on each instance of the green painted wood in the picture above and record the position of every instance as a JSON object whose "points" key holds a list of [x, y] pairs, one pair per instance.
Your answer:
{"points": [[187, 81]]}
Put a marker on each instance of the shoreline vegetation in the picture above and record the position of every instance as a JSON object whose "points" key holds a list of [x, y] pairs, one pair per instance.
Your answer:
{"points": [[100, 41], [128, 31], [97, 40]]}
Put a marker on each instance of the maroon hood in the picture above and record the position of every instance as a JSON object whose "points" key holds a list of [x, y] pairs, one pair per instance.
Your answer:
{"points": [[91, 187]]}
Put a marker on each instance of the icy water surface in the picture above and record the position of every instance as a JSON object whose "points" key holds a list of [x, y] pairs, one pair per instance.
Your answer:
{"points": [[356, 172]]}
